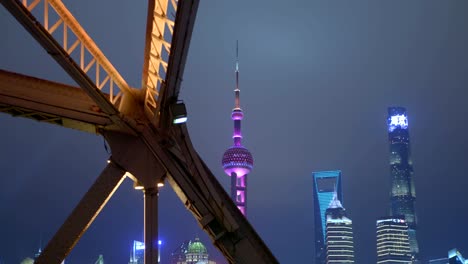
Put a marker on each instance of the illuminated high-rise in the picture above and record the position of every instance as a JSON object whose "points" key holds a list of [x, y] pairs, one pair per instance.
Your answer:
{"points": [[237, 161], [339, 235], [392, 241], [455, 257], [137, 253], [325, 184], [403, 194]]}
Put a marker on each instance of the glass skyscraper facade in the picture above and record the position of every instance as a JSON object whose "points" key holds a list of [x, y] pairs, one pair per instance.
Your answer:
{"points": [[339, 235], [392, 241], [137, 255], [325, 185], [403, 194]]}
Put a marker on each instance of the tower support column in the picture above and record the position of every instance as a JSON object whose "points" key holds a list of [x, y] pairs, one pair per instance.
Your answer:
{"points": [[233, 187], [244, 185]]}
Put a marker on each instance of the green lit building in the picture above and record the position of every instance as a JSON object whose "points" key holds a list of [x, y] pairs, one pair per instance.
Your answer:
{"points": [[191, 252]]}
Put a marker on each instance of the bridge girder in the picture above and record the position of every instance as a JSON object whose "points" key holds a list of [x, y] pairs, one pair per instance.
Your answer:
{"points": [[122, 119]]}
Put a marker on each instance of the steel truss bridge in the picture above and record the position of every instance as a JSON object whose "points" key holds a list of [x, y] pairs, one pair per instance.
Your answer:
{"points": [[147, 146]]}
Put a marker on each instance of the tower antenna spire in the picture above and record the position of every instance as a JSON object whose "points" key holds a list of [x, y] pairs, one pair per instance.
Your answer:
{"points": [[237, 90]]}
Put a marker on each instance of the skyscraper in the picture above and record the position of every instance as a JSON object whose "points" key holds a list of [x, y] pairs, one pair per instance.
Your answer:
{"points": [[339, 234], [455, 257], [100, 260], [392, 241], [325, 184], [137, 255], [403, 194], [237, 160]]}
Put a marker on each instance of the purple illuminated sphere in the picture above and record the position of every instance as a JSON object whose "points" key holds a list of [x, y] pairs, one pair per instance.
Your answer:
{"points": [[238, 160], [237, 114]]}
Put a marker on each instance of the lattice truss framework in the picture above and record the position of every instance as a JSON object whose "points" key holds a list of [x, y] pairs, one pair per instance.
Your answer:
{"points": [[157, 50], [147, 151], [58, 21]]}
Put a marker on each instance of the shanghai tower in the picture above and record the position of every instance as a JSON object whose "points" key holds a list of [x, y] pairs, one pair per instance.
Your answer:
{"points": [[237, 161], [403, 195]]}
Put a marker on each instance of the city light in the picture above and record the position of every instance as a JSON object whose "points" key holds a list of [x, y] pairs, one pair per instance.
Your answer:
{"points": [[138, 245], [396, 121], [137, 185]]}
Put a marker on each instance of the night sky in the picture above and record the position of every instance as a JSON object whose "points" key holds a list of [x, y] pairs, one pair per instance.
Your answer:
{"points": [[316, 79]]}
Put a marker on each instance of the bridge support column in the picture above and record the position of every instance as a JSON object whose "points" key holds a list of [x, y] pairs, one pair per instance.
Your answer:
{"points": [[151, 225], [145, 169]]}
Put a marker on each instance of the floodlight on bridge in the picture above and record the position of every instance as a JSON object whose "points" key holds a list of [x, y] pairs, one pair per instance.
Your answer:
{"points": [[137, 185], [179, 113]]}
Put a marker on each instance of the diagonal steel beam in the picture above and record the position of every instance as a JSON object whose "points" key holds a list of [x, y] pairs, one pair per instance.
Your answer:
{"points": [[48, 101], [154, 59], [184, 23], [90, 45], [76, 42], [241, 244], [34, 27], [83, 215], [204, 196], [166, 48]]}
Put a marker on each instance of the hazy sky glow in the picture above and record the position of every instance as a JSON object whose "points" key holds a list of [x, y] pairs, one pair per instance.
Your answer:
{"points": [[316, 78]]}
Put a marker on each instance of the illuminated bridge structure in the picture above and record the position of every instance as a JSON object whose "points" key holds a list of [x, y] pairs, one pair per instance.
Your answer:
{"points": [[138, 124]]}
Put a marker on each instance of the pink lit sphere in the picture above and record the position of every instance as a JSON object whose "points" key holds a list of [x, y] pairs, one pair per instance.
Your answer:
{"points": [[238, 160]]}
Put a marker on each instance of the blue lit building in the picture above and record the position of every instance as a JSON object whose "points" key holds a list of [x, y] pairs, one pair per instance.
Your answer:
{"points": [[403, 194], [325, 184], [455, 257], [137, 254]]}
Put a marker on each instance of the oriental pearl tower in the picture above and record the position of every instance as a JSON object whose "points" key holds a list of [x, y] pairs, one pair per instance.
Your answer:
{"points": [[237, 160]]}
